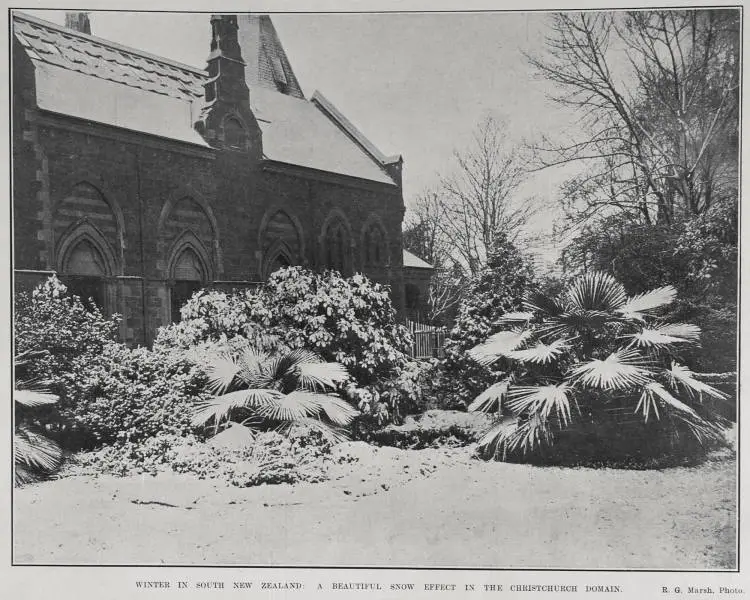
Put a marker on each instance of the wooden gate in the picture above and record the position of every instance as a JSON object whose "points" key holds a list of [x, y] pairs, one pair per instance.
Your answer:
{"points": [[428, 340]]}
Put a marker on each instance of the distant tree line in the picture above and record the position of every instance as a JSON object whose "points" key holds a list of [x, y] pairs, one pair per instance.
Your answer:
{"points": [[654, 201]]}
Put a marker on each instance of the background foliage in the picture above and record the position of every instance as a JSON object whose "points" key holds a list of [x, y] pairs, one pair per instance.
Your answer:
{"points": [[495, 290]]}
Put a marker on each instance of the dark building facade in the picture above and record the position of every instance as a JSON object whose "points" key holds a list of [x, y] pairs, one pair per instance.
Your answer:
{"points": [[139, 180]]}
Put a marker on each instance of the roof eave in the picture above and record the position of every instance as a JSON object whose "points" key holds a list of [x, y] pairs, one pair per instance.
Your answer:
{"points": [[269, 164], [48, 117]]}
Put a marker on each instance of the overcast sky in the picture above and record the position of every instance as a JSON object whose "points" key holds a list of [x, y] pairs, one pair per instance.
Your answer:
{"points": [[415, 84]]}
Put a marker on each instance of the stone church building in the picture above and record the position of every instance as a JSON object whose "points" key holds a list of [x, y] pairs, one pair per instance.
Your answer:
{"points": [[138, 179]]}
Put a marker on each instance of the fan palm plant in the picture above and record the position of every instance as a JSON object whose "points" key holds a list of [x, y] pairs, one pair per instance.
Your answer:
{"points": [[593, 354], [278, 389], [35, 455]]}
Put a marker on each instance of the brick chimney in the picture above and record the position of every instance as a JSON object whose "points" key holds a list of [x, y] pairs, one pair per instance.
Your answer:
{"points": [[78, 21]]}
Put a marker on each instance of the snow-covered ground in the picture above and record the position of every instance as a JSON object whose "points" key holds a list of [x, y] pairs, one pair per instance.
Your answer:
{"points": [[385, 506]]}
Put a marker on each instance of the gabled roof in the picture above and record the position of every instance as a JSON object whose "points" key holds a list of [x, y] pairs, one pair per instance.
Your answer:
{"points": [[296, 132], [346, 125], [83, 76], [414, 262], [52, 44]]}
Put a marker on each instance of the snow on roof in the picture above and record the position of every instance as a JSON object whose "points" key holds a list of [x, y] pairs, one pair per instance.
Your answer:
{"points": [[414, 262], [84, 76], [296, 132]]}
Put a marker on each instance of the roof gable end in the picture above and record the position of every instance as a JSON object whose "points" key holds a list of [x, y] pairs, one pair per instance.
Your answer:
{"points": [[348, 127]]}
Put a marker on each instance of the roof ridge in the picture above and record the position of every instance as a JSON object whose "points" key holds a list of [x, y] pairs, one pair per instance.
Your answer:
{"points": [[17, 14], [328, 107]]}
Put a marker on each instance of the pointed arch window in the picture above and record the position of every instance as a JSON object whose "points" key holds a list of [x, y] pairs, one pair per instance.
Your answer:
{"points": [[84, 271], [374, 247], [335, 247], [278, 262], [189, 276]]}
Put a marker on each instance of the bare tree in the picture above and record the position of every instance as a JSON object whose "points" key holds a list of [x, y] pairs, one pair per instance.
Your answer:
{"points": [[423, 236], [455, 225], [479, 200], [423, 229], [659, 133], [445, 293]]}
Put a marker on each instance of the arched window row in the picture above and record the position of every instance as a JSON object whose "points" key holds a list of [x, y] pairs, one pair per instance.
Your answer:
{"points": [[336, 247], [188, 244], [84, 271], [88, 245], [86, 231], [188, 275], [374, 249], [280, 240]]}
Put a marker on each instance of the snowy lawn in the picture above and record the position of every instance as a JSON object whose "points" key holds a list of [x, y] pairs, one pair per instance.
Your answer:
{"points": [[393, 507]]}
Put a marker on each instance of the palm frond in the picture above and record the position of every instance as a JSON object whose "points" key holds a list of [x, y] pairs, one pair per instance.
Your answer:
{"points": [[495, 438], [680, 376], [540, 353], [293, 406], [321, 375], [283, 363], [221, 370], [253, 364], [490, 400], [541, 400], [670, 400], [24, 475], [647, 302], [284, 368], [648, 403], [499, 345], [33, 398], [666, 335], [687, 331], [35, 451], [596, 291], [654, 391], [219, 408], [570, 322], [338, 410], [560, 326], [704, 431], [620, 370], [537, 302], [528, 435], [26, 357]]}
